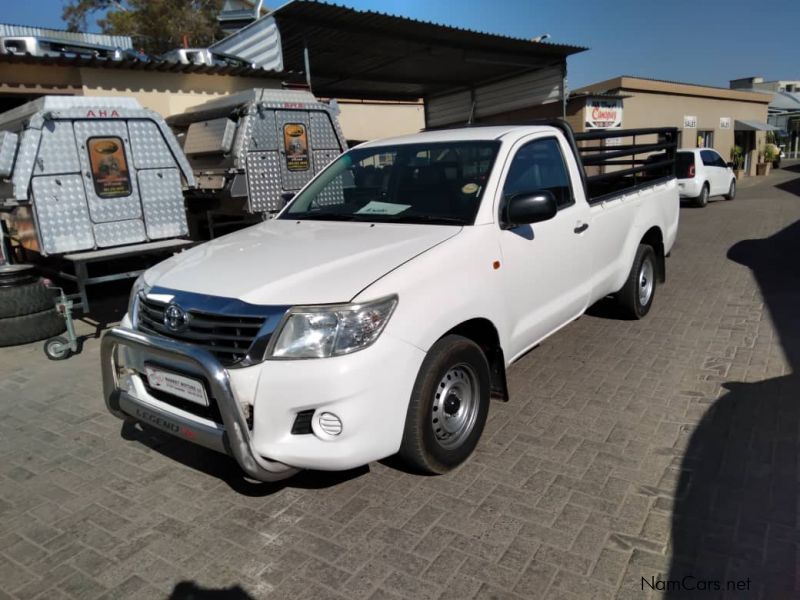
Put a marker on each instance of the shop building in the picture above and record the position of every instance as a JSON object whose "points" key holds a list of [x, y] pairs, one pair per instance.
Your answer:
{"points": [[705, 116], [784, 109]]}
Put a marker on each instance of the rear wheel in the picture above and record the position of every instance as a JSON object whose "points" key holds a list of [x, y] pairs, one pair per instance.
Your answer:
{"points": [[702, 199], [636, 296], [448, 407], [732, 191]]}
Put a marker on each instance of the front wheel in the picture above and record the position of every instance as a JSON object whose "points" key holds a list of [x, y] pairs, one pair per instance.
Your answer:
{"points": [[731, 191], [636, 296], [448, 407]]}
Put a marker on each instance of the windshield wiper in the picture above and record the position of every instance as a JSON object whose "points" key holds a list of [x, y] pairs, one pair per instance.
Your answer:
{"points": [[432, 219], [322, 216]]}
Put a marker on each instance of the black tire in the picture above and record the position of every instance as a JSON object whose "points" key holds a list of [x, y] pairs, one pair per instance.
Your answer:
{"points": [[31, 328], [731, 191], [422, 449], [702, 199], [629, 297], [57, 348], [12, 275], [25, 299]]}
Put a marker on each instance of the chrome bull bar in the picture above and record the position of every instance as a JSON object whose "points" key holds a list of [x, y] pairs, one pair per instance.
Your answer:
{"points": [[234, 440]]}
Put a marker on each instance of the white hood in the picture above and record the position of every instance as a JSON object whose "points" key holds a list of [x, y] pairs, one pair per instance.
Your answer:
{"points": [[288, 262]]}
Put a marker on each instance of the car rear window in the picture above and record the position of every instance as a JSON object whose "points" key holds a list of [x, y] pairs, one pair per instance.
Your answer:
{"points": [[683, 162]]}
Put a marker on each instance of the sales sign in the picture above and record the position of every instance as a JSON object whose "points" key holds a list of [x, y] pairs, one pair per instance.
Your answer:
{"points": [[689, 122], [724, 122], [602, 114]]}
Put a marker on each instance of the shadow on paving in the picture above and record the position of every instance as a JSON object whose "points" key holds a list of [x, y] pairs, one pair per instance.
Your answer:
{"points": [[736, 509], [225, 468], [189, 590], [792, 186]]}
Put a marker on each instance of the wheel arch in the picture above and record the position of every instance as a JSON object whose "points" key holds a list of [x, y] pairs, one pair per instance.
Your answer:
{"points": [[654, 238], [484, 333]]}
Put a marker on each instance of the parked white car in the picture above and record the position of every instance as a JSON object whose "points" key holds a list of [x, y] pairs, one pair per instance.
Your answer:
{"points": [[702, 173], [377, 314]]}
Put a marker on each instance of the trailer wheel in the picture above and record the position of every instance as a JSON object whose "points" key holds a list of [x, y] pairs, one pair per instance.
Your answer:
{"points": [[31, 328], [636, 296], [57, 348], [24, 299], [448, 407]]}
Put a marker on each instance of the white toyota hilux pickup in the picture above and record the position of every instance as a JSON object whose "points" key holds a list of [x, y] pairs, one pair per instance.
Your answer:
{"points": [[378, 313]]}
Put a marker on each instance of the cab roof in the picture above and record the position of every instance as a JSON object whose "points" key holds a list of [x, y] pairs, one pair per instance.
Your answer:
{"points": [[462, 134]]}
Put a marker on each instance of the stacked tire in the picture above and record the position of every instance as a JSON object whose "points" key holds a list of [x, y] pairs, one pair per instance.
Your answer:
{"points": [[27, 307]]}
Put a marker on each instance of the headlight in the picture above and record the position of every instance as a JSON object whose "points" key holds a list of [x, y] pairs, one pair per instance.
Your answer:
{"points": [[333, 330], [139, 287]]}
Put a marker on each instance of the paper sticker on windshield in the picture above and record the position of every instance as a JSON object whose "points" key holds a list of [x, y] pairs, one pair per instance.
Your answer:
{"points": [[382, 208], [295, 143], [109, 167], [469, 188]]}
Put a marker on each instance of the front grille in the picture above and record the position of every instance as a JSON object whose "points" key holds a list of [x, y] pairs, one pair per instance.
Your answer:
{"points": [[302, 422], [228, 337]]}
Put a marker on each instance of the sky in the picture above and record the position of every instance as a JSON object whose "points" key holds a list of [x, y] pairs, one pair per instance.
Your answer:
{"points": [[702, 41]]}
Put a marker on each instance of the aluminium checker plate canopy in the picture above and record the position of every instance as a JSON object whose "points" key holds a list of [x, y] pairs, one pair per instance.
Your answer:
{"points": [[92, 173], [283, 138]]}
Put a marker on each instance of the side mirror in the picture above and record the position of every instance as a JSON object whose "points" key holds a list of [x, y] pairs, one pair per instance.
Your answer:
{"points": [[524, 209], [730, 165]]}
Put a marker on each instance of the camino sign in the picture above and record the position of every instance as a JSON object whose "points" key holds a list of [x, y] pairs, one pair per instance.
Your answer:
{"points": [[602, 114]]}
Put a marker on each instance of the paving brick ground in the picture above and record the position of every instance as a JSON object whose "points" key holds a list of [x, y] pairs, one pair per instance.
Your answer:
{"points": [[665, 449]]}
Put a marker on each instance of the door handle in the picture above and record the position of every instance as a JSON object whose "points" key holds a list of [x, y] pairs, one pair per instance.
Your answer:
{"points": [[581, 228]]}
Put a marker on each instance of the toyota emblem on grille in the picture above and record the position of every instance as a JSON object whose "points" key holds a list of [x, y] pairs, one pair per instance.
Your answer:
{"points": [[175, 317]]}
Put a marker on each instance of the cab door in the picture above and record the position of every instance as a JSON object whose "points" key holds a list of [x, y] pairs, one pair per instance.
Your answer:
{"points": [[546, 266]]}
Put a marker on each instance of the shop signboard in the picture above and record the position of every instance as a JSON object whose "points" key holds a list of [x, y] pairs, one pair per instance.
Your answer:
{"points": [[602, 114], [689, 122], [724, 122]]}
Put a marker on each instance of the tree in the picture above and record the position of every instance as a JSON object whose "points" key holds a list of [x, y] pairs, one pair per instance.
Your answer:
{"points": [[156, 26]]}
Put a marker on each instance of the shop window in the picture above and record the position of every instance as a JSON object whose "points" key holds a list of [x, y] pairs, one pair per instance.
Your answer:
{"points": [[705, 139]]}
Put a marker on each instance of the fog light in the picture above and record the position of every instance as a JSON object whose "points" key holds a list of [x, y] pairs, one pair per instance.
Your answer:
{"points": [[330, 424]]}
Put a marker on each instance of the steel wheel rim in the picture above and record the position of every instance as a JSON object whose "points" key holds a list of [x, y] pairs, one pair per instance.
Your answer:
{"points": [[455, 406], [646, 283]]}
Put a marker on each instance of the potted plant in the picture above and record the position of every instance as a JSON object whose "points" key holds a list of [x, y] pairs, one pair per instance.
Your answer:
{"points": [[769, 158], [737, 158]]}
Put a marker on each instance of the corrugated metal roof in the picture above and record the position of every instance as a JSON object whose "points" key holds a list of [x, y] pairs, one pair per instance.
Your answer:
{"points": [[114, 41], [140, 65], [258, 43], [370, 54]]}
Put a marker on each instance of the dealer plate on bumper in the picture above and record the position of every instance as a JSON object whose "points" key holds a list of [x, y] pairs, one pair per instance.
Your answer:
{"points": [[177, 385]]}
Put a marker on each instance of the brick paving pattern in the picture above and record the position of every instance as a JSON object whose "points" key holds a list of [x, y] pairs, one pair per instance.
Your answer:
{"points": [[658, 449]]}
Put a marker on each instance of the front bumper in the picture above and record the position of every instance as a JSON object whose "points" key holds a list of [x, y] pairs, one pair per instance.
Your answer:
{"points": [[233, 439], [368, 390]]}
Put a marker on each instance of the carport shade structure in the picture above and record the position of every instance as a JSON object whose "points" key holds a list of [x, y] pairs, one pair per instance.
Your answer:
{"points": [[754, 126], [371, 55]]}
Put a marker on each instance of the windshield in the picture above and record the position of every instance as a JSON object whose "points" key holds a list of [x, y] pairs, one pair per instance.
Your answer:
{"points": [[439, 183]]}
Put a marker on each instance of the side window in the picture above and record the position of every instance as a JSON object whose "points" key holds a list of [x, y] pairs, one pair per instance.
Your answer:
{"points": [[709, 158], [719, 161], [539, 166]]}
